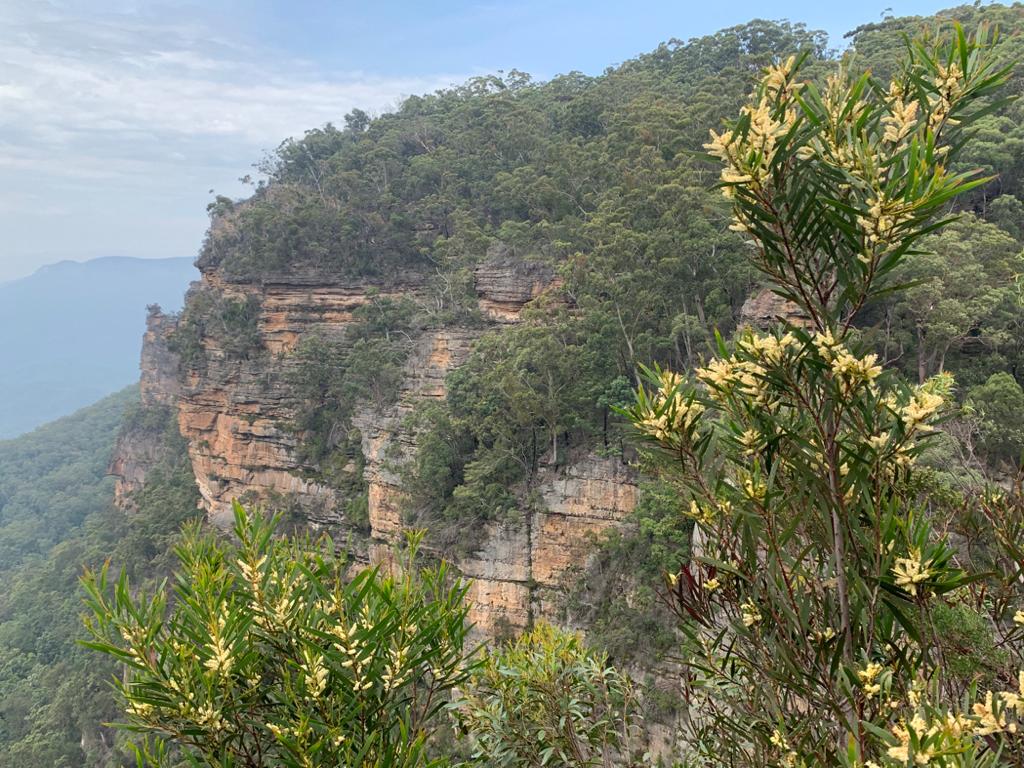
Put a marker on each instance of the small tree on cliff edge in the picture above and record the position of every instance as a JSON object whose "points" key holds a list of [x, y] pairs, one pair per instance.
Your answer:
{"points": [[809, 602]]}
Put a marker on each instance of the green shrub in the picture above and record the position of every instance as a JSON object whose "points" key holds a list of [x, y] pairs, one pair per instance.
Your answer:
{"points": [[547, 699], [270, 655]]}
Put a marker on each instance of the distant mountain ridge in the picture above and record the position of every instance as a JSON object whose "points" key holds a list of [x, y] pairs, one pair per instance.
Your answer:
{"points": [[70, 332]]}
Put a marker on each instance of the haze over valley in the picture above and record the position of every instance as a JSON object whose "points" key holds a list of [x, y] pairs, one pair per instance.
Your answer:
{"points": [[71, 332]]}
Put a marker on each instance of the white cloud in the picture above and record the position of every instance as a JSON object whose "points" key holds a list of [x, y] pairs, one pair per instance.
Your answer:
{"points": [[118, 100]]}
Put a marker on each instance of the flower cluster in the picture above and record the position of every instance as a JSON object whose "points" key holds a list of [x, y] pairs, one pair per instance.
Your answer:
{"points": [[750, 613], [880, 222], [930, 733], [948, 83], [922, 406], [869, 679], [911, 571], [850, 370], [901, 119], [749, 153], [315, 674], [220, 660], [671, 413]]}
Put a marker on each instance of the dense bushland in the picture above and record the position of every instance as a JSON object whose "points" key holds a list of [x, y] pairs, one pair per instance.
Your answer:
{"points": [[604, 179], [57, 515]]}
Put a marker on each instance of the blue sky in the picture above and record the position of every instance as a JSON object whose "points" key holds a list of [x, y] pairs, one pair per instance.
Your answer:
{"points": [[117, 117]]}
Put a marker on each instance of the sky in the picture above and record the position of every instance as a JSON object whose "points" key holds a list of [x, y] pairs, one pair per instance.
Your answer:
{"points": [[120, 119]]}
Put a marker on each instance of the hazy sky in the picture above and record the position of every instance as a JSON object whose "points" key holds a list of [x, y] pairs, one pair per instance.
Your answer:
{"points": [[117, 118]]}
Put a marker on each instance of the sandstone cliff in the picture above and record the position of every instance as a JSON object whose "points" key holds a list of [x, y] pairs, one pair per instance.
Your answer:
{"points": [[234, 410], [765, 309], [141, 445]]}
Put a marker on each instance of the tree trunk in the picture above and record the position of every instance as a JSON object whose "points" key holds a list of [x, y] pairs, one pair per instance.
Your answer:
{"points": [[922, 358]]}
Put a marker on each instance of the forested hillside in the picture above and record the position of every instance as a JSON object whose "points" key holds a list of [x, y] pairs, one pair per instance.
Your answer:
{"points": [[598, 177], [603, 180], [601, 184], [56, 516]]}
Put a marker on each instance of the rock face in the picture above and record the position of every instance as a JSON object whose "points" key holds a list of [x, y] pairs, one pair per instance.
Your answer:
{"points": [[765, 309], [159, 366], [234, 411], [505, 284], [141, 444], [521, 571]]}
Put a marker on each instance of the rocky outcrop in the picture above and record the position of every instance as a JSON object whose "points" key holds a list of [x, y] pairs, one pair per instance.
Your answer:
{"points": [[140, 446], [521, 571], [505, 284], [159, 367], [388, 442], [141, 443], [234, 410], [766, 309]]}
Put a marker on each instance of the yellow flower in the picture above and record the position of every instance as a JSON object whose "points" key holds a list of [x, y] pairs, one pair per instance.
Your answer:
{"points": [[719, 144], [778, 739], [870, 672], [220, 656], [1018, 618], [776, 76], [948, 80], [316, 676], [755, 490], [922, 406], [712, 584], [718, 373], [900, 121], [769, 348], [1015, 700], [900, 753], [819, 636], [826, 343], [250, 571], [919, 727], [139, 709], [672, 414], [868, 677], [701, 514], [845, 365], [910, 572], [209, 717], [749, 440], [751, 615], [989, 720]]}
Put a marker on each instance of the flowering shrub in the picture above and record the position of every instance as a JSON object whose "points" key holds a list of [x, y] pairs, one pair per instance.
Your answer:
{"points": [[807, 605], [547, 699], [272, 655]]}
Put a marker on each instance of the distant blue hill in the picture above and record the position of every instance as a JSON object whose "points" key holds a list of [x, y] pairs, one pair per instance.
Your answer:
{"points": [[70, 333]]}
